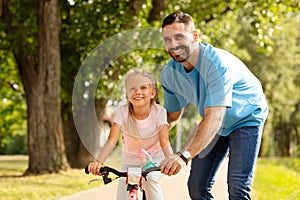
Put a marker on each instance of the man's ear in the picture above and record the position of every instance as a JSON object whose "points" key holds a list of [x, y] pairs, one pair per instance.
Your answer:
{"points": [[195, 35]]}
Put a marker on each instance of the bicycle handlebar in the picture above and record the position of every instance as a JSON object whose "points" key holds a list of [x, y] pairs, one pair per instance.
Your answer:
{"points": [[106, 170]]}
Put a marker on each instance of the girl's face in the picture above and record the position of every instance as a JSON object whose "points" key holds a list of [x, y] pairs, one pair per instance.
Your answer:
{"points": [[139, 91]]}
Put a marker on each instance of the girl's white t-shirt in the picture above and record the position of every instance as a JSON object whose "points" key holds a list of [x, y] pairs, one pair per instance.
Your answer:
{"points": [[144, 135]]}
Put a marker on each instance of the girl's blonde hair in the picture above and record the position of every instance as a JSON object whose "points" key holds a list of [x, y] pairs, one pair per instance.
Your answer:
{"points": [[153, 84]]}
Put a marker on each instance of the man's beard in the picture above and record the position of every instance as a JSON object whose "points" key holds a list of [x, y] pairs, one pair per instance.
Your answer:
{"points": [[183, 56]]}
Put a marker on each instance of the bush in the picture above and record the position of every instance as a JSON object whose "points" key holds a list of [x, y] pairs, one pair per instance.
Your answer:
{"points": [[15, 145]]}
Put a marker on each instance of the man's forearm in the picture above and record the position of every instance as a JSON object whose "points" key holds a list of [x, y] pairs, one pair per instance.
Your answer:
{"points": [[201, 139], [191, 136], [206, 130]]}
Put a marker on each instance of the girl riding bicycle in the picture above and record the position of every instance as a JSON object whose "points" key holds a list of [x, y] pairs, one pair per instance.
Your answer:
{"points": [[143, 124]]}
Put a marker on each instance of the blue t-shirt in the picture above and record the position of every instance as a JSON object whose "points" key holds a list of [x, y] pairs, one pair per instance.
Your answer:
{"points": [[218, 79]]}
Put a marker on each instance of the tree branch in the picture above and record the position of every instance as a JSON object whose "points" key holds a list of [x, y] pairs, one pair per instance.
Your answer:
{"points": [[211, 17]]}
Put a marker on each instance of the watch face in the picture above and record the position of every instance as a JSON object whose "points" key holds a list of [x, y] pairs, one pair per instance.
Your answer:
{"points": [[187, 155]]}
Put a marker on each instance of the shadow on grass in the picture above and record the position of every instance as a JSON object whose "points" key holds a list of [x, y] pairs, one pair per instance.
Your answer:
{"points": [[13, 166]]}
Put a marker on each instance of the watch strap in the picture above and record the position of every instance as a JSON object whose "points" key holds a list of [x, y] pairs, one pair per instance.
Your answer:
{"points": [[182, 157]]}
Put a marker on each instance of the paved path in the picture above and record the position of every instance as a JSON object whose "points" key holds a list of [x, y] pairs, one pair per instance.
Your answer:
{"points": [[174, 188]]}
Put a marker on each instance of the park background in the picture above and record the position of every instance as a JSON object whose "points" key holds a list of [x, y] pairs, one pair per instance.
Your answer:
{"points": [[43, 43]]}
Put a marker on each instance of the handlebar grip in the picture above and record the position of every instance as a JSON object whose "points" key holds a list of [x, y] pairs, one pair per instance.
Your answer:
{"points": [[102, 169], [86, 169]]}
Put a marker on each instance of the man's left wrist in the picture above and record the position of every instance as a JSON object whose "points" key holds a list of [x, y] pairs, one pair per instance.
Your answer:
{"points": [[185, 156]]}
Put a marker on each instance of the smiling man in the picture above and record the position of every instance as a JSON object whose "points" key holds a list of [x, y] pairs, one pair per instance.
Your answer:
{"points": [[229, 99]]}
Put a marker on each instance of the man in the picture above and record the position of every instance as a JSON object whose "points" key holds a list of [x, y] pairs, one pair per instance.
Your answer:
{"points": [[229, 99]]}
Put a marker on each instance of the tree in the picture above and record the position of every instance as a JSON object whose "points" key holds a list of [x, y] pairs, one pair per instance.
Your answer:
{"points": [[39, 68]]}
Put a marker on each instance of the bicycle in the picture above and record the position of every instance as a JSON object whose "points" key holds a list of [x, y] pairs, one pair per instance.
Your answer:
{"points": [[133, 178]]}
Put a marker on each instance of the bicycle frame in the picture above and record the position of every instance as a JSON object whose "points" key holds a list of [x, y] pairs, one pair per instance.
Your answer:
{"points": [[133, 178]]}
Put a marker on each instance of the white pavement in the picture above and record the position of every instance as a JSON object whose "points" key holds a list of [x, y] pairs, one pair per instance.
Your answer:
{"points": [[174, 188]]}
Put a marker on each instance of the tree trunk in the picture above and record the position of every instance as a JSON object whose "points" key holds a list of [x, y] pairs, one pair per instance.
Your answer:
{"points": [[42, 87], [77, 153], [72, 140], [158, 7], [284, 139]]}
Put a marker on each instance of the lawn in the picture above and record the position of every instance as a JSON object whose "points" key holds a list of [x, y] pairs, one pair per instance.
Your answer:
{"points": [[277, 178], [14, 186], [274, 179]]}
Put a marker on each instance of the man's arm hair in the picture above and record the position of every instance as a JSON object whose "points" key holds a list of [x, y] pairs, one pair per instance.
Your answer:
{"points": [[206, 130]]}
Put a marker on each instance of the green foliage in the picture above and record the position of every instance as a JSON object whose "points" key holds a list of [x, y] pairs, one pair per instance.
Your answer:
{"points": [[14, 145], [12, 108], [25, 24]]}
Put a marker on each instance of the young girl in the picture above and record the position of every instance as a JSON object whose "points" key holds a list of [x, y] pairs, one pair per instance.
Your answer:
{"points": [[143, 124]]}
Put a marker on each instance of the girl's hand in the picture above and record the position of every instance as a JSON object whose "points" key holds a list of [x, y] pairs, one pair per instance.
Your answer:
{"points": [[94, 168]]}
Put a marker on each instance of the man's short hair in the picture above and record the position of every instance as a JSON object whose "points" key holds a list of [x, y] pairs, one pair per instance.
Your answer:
{"points": [[180, 17]]}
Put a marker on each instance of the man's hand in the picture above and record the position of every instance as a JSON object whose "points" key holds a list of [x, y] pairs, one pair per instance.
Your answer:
{"points": [[171, 165]]}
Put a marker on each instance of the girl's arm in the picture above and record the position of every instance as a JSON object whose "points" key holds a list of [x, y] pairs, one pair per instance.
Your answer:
{"points": [[113, 137], [163, 136]]}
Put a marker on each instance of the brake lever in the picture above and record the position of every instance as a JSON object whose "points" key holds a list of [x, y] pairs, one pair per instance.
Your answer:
{"points": [[107, 180], [95, 179]]}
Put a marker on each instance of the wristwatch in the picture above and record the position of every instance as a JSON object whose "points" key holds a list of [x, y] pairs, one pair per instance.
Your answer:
{"points": [[185, 156]]}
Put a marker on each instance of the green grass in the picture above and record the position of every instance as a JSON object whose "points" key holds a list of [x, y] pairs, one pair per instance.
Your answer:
{"points": [[277, 178], [15, 186]]}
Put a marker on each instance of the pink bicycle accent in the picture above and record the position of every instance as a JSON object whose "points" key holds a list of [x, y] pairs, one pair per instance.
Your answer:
{"points": [[133, 194]]}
